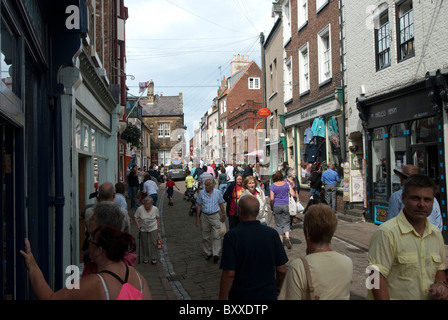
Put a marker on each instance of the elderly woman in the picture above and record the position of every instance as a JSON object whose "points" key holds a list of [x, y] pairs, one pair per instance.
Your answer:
{"points": [[147, 219], [116, 281], [250, 186], [331, 272], [279, 198]]}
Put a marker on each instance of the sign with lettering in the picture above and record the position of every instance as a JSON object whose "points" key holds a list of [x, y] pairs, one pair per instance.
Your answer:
{"points": [[396, 107], [311, 113]]}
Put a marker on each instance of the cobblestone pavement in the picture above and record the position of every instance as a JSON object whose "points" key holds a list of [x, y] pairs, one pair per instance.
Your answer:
{"points": [[184, 274]]}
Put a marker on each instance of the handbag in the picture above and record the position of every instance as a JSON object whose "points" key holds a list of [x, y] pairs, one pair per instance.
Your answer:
{"points": [[300, 208], [309, 280], [292, 206], [223, 229], [159, 242]]}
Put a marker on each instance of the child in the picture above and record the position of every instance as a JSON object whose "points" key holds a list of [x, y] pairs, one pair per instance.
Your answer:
{"points": [[170, 184], [189, 180]]}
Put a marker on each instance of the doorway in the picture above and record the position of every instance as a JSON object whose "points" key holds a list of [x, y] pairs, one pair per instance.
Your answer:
{"points": [[425, 157]]}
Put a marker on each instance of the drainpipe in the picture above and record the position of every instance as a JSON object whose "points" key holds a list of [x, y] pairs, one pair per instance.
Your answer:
{"points": [[342, 100]]}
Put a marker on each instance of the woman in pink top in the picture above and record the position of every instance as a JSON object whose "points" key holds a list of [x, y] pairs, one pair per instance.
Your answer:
{"points": [[115, 281]]}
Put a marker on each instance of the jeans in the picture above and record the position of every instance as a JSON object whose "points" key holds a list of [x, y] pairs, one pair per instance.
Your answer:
{"points": [[133, 194], [154, 197], [223, 188], [330, 195]]}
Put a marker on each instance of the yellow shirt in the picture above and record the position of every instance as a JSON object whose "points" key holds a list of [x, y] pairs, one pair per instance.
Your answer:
{"points": [[189, 181], [408, 261]]}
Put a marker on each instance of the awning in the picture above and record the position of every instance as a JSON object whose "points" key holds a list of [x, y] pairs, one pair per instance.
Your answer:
{"points": [[256, 153]]}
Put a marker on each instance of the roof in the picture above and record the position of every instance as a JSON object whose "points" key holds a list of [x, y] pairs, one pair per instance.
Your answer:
{"points": [[163, 106]]}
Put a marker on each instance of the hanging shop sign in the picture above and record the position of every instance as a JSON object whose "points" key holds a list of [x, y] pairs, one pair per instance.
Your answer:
{"points": [[264, 112]]}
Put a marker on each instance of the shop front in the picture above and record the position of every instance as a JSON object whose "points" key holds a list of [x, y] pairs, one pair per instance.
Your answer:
{"points": [[401, 127], [315, 135]]}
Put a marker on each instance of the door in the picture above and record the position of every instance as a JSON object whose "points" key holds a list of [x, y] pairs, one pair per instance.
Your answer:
{"points": [[7, 264], [425, 157]]}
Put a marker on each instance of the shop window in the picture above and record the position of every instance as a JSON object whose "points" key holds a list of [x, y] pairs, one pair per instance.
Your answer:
{"points": [[424, 131], [93, 139], [78, 133], [398, 147], [379, 163], [9, 65], [320, 142], [85, 137]]}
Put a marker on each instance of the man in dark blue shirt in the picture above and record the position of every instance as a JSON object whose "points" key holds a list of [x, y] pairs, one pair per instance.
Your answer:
{"points": [[253, 258]]}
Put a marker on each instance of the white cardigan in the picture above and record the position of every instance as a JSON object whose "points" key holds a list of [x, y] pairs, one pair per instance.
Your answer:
{"points": [[263, 213]]}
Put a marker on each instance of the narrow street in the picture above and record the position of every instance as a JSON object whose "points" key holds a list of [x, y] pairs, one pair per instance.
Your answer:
{"points": [[184, 274]]}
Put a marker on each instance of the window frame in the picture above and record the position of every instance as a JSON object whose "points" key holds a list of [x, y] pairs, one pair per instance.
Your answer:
{"points": [[302, 79], [302, 12], [253, 83], [400, 56], [163, 129], [325, 32], [287, 91], [387, 38]]}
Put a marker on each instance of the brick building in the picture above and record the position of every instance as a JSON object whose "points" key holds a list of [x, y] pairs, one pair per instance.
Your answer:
{"points": [[239, 100], [312, 87]]}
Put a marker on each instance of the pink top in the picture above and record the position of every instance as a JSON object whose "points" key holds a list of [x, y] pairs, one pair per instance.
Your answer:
{"points": [[127, 292]]}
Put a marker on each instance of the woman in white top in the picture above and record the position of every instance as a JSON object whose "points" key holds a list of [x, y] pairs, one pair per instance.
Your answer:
{"points": [[148, 223], [331, 272], [250, 186]]}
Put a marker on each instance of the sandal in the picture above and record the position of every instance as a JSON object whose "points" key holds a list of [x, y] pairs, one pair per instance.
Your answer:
{"points": [[154, 262], [145, 261]]}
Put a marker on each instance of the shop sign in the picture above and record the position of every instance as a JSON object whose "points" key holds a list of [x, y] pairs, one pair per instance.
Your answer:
{"points": [[311, 113], [264, 112]]}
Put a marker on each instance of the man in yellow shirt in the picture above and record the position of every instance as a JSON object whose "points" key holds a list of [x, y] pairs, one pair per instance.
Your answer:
{"points": [[408, 251]]}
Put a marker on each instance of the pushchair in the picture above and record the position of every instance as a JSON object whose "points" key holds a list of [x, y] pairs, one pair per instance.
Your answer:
{"points": [[192, 199]]}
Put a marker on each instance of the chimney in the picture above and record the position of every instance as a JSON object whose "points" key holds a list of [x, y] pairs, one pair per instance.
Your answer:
{"points": [[238, 64], [150, 93], [181, 103]]}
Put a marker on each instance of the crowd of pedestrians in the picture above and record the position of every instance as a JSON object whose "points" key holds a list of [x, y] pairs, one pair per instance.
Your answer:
{"points": [[252, 254]]}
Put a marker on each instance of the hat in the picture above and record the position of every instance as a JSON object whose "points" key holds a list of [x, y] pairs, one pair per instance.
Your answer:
{"points": [[407, 171]]}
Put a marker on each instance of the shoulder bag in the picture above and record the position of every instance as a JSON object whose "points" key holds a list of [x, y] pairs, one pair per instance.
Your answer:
{"points": [[309, 280]]}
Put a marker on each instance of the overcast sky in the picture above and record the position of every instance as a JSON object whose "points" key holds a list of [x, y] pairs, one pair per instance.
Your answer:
{"points": [[187, 45]]}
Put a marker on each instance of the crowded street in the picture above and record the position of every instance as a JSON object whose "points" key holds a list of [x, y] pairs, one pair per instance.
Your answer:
{"points": [[183, 273]]}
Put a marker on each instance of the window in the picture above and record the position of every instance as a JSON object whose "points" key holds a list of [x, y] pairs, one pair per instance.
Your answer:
{"points": [[379, 163], [382, 39], [164, 157], [398, 146], [324, 49], [273, 77], [254, 83], [164, 130], [406, 30], [288, 80], [304, 72], [320, 4], [286, 17], [9, 57], [302, 14]]}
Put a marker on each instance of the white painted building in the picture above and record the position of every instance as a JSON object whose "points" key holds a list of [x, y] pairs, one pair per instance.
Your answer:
{"points": [[390, 48]]}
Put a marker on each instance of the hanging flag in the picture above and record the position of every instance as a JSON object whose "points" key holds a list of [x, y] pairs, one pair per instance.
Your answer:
{"points": [[143, 86]]}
